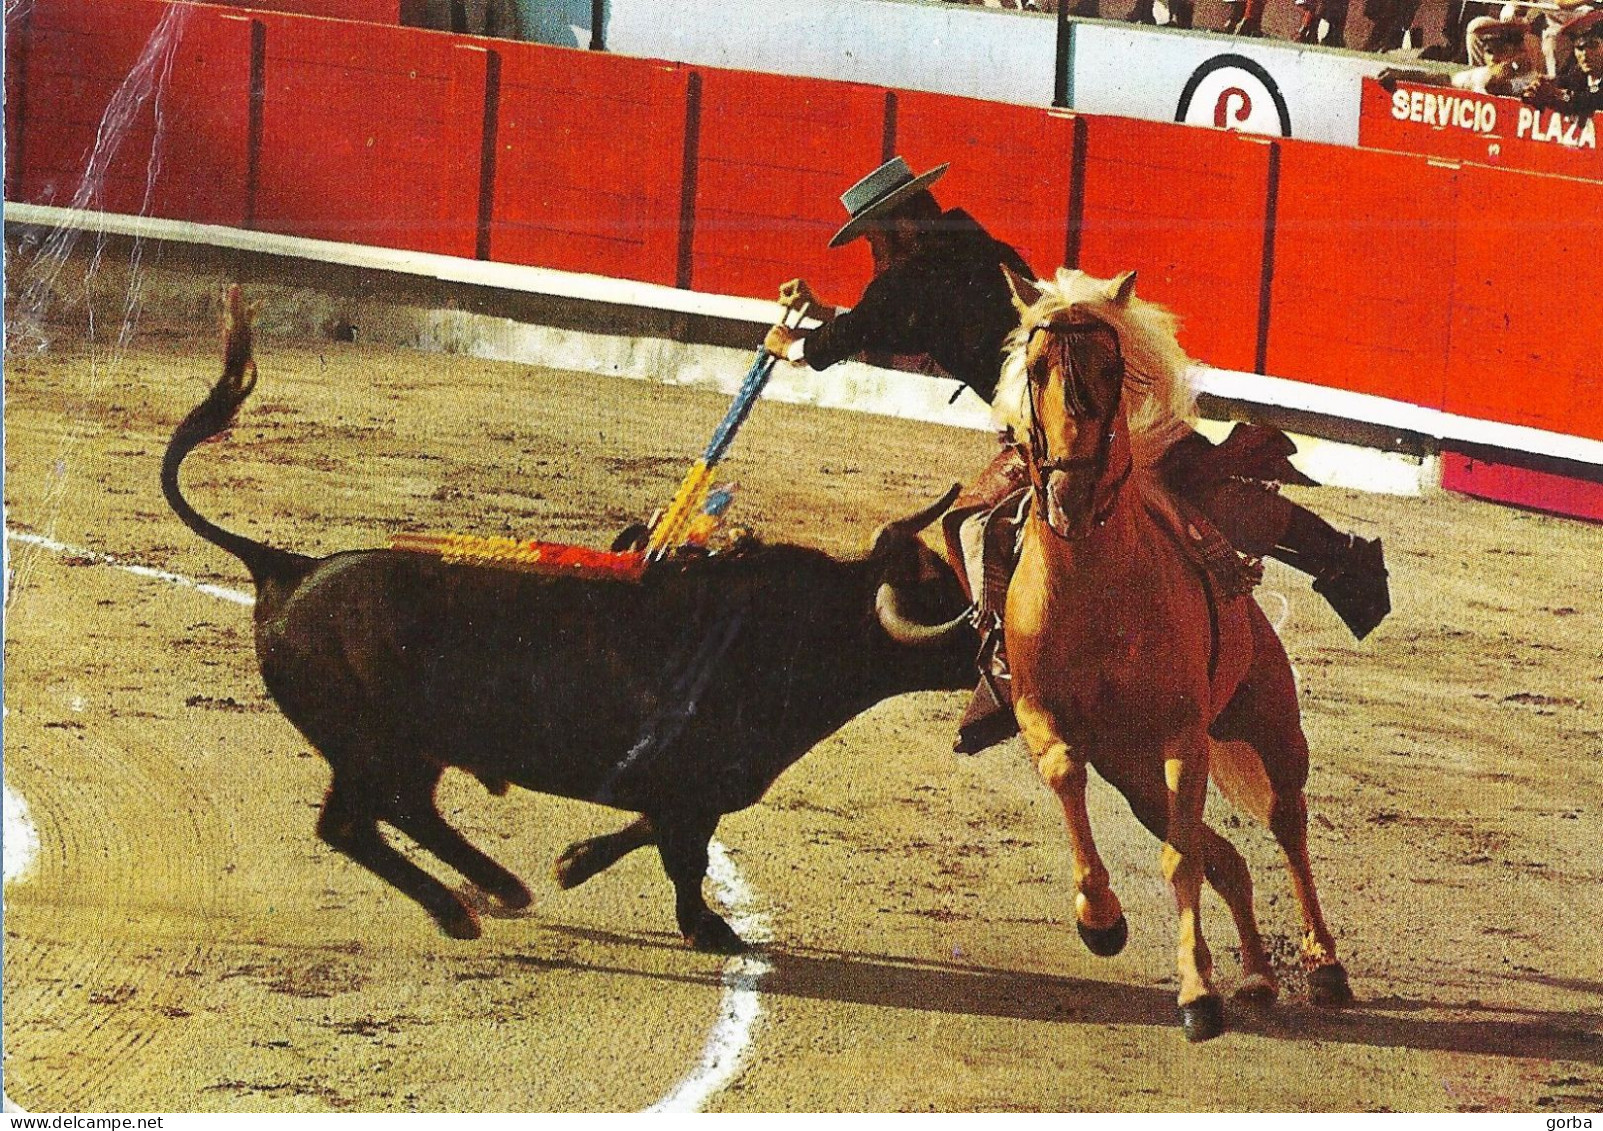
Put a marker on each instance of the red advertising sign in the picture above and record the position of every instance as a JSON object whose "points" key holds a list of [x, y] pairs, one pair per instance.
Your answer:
{"points": [[1441, 121]]}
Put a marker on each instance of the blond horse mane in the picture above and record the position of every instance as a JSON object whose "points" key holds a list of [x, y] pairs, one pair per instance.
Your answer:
{"points": [[1158, 396]]}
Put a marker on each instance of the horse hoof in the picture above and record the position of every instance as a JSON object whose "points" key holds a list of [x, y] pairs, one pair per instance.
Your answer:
{"points": [[1257, 992], [1327, 986], [1105, 942], [1203, 1019]]}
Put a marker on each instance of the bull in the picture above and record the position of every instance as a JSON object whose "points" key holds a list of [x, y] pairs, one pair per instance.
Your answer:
{"points": [[680, 698]]}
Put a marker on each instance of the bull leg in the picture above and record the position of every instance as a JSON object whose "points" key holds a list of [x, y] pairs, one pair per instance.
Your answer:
{"points": [[682, 845], [349, 825], [415, 813], [586, 858], [1184, 859]]}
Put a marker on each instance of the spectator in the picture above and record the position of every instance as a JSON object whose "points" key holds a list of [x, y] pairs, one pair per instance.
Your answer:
{"points": [[1559, 32], [1579, 90], [1390, 21], [1180, 13], [1332, 12], [1244, 17], [498, 18], [1506, 59]]}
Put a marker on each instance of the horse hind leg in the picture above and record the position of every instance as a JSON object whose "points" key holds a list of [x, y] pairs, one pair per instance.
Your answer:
{"points": [[1327, 978], [1261, 765], [1228, 875], [1098, 915]]}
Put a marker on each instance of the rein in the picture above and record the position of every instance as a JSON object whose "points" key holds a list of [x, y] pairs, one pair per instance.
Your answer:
{"points": [[1076, 398]]}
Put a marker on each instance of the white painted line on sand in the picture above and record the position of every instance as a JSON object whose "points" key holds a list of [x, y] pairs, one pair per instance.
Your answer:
{"points": [[234, 595], [740, 1011], [19, 838]]}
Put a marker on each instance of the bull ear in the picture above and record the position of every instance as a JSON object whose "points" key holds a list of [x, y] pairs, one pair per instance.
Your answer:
{"points": [[1025, 293], [1120, 288]]}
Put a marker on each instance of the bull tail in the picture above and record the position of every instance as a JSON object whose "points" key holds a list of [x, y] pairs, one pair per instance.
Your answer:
{"points": [[206, 420]]}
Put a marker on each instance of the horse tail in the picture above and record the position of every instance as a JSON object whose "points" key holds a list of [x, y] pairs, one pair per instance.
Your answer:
{"points": [[206, 420], [1237, 768]]}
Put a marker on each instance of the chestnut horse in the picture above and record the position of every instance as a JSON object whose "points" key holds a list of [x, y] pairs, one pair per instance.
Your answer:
{"points": [[1124, 655]]}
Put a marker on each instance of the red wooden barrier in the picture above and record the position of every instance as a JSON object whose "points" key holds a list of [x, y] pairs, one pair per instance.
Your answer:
{"points": [[1574, 491], [1527, 348], [18, 18], [774, 155], [372, 135], [1011, 166], [1363, 271], [391, 12], [1187, 208], [1464, 126], [589, 162], [85, 57]]}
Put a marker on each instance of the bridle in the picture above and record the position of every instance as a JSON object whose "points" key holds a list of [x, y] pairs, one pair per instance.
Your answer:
{"points": [[1071, 361]]}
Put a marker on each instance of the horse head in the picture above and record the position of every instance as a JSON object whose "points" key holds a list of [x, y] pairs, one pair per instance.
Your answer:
{"points": [[1094, 384]]}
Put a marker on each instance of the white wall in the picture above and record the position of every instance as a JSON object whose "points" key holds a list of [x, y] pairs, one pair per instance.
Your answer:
{"points": [[906, 44], [1115, 68]]}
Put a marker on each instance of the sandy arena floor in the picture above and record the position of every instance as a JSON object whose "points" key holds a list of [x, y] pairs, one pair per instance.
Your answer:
{"points": [[183, 942]]}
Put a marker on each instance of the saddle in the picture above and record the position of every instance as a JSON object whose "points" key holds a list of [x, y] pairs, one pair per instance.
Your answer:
{"points": [[1228, 572]]}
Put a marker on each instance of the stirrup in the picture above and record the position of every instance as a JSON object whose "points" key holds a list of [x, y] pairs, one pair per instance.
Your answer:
{"points": [[1356, 586], [989, 717], [987, 721]]}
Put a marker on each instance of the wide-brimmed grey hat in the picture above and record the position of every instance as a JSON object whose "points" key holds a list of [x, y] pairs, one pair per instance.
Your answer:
{"points": [[879, 192]]}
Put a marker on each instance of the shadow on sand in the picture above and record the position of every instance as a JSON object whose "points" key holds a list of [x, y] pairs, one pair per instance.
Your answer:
{"points": [[982, 991]]}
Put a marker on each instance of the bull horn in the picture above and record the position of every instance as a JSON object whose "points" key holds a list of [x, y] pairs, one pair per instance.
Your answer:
{"points": [[904, 629], [898, 529]]}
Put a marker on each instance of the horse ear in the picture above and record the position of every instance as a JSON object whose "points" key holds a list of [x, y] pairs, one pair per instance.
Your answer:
{"points": [[1025, 293], [1120, 288]]}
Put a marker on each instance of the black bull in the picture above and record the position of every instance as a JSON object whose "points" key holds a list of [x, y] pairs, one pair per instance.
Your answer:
{"points": [[681, 698]]}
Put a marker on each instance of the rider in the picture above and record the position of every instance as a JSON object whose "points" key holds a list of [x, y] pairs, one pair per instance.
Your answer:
{"points": [[939, 290]]}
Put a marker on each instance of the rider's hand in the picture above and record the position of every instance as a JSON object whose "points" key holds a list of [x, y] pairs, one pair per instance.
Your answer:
{"points": [[796, 293], [779, 340]]}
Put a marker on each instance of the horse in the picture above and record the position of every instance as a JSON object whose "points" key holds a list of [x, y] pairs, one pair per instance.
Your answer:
{"points": [[1125, 654]]}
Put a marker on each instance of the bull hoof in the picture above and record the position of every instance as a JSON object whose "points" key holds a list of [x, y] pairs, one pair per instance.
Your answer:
{"points": [[1327, 986], [459, 923], [713, 936], [1203, 1019], [576, 865], [1105, 942], [512, 894]]}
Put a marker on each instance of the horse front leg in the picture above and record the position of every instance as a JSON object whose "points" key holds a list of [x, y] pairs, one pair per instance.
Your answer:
{"points": [[1185, 771], [1098, 915]]}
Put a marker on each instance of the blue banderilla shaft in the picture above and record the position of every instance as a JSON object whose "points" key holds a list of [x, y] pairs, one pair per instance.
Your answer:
{"points": [[750, 389]]}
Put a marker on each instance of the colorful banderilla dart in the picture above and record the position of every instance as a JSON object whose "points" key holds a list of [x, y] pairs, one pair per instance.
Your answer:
{"points": [[671, 528], [550, 558]]}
